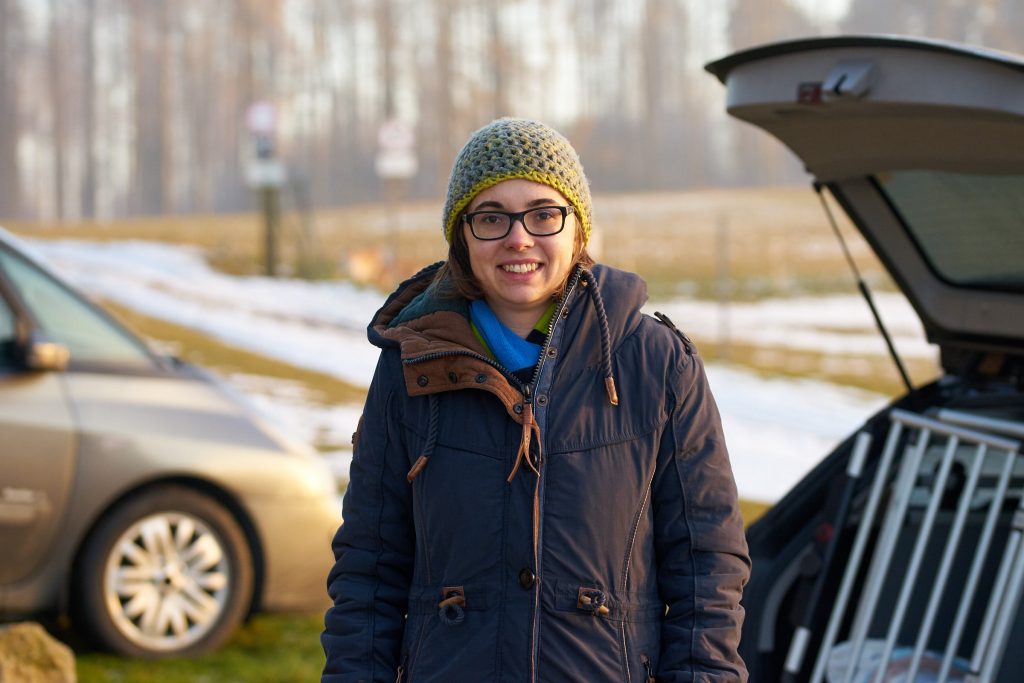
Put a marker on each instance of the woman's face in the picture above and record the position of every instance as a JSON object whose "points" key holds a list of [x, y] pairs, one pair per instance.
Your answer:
{"points": [[520, 272]]}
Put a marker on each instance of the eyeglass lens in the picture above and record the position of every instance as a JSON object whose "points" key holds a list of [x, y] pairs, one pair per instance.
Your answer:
{"points": [[541, 222]]}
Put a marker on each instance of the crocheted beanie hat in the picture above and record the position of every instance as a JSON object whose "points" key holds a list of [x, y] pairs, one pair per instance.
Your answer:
{"points": [[516, 148]]}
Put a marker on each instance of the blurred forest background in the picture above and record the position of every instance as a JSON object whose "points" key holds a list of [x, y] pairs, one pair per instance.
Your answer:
{"points": [[113, 108]]}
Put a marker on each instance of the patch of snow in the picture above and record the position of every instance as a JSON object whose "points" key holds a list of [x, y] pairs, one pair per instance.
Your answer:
{"points": [[776, 429], [827, 324], [316, 325]]}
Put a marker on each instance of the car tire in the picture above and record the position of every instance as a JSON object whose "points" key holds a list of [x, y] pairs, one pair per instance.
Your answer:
{"points": [[166, 573]]}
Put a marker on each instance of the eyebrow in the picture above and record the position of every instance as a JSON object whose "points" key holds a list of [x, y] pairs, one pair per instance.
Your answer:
{"points": [[493, 204]]}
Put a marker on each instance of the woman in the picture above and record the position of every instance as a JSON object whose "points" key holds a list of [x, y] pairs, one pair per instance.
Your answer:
{"points": [[540, 489]]}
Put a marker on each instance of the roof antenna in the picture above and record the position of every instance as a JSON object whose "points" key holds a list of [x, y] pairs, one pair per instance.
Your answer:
{"points": [[863, 287]]}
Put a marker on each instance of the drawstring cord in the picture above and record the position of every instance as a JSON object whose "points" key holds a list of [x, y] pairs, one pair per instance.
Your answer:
{"points": [[421, 462], [529, 427], [606, 341], [450, 610], [593, 600]]}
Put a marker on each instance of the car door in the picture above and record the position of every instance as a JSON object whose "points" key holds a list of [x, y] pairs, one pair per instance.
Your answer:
{"points": [[37, 450]]}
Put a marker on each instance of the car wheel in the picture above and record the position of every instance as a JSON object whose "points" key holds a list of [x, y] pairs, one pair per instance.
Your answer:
{"points": [[169, 572]]}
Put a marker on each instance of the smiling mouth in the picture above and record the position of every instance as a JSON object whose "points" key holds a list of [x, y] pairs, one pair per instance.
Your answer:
{"points": [[521, 267]]}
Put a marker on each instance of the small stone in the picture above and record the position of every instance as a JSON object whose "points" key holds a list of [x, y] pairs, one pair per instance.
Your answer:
{"points": [[28, 654]]}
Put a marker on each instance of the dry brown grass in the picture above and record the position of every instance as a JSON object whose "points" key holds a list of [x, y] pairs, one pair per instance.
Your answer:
{"points": [[760, 241]]}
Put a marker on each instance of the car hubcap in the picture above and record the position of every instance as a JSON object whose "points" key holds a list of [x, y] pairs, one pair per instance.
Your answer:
{"points": [[166, 581]]}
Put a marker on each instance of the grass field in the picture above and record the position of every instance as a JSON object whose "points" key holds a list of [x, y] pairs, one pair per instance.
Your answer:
{"points": [[269, 649]]}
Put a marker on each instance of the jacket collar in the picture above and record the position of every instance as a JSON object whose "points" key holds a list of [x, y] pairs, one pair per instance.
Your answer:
{"points": [[433, 332]]}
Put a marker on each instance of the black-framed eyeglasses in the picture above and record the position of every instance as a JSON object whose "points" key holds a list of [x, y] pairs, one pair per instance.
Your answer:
{"points": [[542, 221]]}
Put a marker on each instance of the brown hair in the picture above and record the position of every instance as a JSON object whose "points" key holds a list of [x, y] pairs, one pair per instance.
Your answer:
{"points": [[455, 278]]}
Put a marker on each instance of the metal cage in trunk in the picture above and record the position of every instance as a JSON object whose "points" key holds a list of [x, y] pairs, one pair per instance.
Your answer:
{"points": [[936, 585]]}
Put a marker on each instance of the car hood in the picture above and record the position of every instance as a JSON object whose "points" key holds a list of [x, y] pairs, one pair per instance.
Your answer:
{"points": [[921, 143]]}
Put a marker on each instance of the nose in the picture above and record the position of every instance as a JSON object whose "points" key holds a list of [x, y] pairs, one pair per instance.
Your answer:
{"points": [[517, 237]]}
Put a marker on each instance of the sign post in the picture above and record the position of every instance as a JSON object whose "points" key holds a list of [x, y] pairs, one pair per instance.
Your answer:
{"points": [[395, 163], [267, 175]]}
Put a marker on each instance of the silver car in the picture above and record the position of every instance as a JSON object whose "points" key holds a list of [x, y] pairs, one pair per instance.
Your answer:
{"points": [[137, 492]]}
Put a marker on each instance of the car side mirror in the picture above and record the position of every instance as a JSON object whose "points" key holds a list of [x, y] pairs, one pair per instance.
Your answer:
{"points": [[41, 353]]}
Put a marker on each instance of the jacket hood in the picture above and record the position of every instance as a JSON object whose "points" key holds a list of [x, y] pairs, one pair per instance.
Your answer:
{"points": [[440, 352], [416, 306], [410, 301]]}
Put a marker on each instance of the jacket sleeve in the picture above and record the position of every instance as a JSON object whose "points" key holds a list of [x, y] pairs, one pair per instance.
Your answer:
{"points": [[700, 544], [374, 548]]}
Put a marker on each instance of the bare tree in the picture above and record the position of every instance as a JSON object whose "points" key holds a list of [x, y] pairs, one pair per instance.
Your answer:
{"points": [[87, 191], [58, 95], [386, 45], [759, 158], [150, 49], [10, 182], [996, 23], [112, 107]]}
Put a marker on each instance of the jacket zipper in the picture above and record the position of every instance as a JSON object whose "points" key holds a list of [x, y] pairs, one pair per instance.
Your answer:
{"points": [[527, 391], [400, 673], [648, 668], [538, 489], [570, 286]]}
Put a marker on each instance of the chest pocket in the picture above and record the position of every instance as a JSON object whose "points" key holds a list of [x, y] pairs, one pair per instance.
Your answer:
{"points": [[580, 418]]}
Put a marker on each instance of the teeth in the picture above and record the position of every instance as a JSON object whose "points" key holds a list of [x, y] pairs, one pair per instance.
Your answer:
{"points": [[520, 268]]}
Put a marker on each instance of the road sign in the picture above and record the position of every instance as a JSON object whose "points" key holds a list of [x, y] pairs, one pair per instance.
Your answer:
{"points": [[265, 173], [395, 134], [261, 117], [396, 155]]}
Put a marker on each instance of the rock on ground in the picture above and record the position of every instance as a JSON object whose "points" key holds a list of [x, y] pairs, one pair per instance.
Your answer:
{"points": [[28, 654]]}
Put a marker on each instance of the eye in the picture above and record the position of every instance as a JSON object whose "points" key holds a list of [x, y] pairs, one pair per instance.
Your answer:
{"points": [[546, 214], [491, 219]]}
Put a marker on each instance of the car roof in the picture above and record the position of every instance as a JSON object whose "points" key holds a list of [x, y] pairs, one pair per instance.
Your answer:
{"points": [[921, 142]]}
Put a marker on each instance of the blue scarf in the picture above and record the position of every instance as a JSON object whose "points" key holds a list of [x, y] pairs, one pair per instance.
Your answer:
{"points": [[509, 349]]}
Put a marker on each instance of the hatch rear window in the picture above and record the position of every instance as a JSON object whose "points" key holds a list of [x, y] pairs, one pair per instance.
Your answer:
{"points": [[969, 227]]}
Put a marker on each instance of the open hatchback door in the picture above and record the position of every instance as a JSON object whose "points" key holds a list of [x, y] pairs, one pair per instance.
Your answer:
{"points": [[902, 551]]}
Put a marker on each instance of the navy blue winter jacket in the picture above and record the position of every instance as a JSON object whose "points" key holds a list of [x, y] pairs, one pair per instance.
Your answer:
{"points": [[497, 530]]}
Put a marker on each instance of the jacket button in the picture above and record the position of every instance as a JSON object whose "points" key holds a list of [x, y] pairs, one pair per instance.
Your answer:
{"points": [[527, 578], [422, 380], [542, 399], [518, 409], [481, 378], [453, 378], [552, 352]]}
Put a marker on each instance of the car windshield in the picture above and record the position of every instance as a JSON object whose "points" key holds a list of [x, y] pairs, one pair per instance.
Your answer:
{"points": [[970, 228], [68, 320]]}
